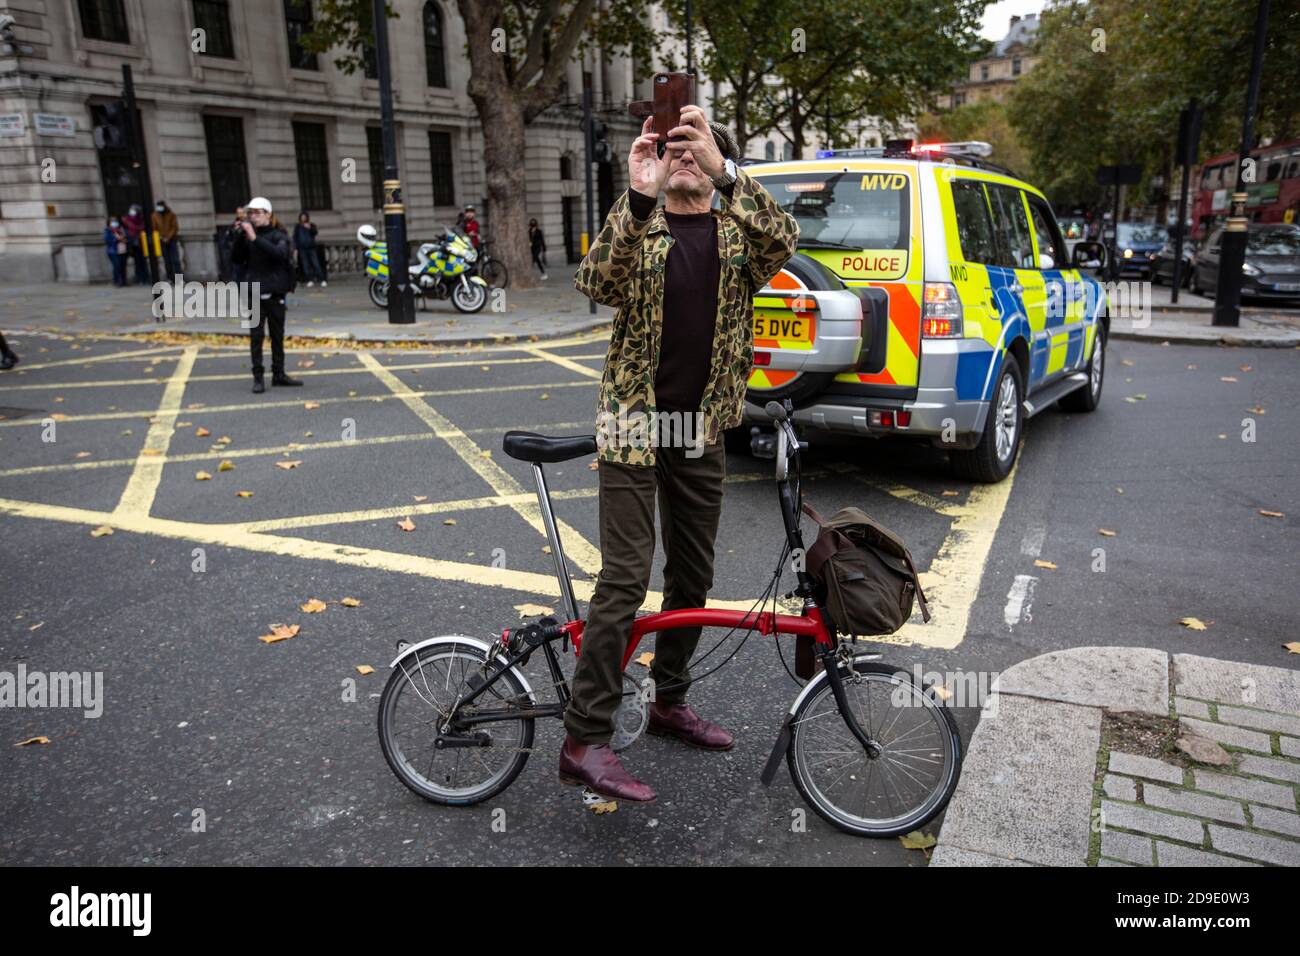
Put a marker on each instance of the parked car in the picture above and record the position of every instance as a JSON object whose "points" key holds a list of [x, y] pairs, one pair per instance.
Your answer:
{"points": [[1271, 269], [931, 296], [1163, 264]]}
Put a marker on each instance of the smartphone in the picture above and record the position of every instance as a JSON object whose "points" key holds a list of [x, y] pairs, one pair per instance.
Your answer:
{"points": [[672, 92]]}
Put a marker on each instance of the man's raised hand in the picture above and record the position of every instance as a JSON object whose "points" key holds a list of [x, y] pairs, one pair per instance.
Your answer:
{"points": [[645, 170], [696, 136]]}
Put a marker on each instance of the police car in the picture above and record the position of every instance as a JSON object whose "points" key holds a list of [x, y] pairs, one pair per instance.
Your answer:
{"points": [[931, 296]]}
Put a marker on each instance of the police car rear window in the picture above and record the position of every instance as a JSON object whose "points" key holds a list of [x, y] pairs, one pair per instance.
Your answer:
{"points": [[846, 210]]}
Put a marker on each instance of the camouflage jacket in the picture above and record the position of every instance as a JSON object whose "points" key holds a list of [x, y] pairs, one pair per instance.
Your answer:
{"points": [[625, 268]]}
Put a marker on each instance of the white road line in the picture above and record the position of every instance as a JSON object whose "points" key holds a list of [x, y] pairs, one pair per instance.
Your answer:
{"points": [[1019, 599], [1031, 545]]}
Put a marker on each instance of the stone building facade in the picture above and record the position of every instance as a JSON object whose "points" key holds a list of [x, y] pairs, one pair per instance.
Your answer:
{"points": [[252, 114], [993, 76]]}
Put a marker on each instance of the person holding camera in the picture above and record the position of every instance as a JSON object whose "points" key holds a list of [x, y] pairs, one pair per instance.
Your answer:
{"points": [[263, 247], [682, 277]]}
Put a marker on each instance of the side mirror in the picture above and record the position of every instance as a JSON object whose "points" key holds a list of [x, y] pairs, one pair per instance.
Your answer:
{"points": [[1045, 261], [1089, 254]]}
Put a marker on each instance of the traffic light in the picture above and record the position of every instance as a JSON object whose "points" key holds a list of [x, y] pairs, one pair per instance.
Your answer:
{"points": [[113, 132], [601, 150]]}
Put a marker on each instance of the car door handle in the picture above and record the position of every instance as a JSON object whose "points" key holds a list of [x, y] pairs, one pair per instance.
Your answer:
{"points": [[1016, 287]]}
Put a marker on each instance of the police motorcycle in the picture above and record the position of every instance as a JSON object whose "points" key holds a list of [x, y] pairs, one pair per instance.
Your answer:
{"points": [[442, 270]]}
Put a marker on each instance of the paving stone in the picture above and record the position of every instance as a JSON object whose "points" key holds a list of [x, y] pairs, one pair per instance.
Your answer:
{"points": [[1291, 746], [1192, 708], [1279, 821], [1171, 854], [1204, 750], [1267, 720], [1236, 736], [1256, 791], [1117, 678], [1120, 788], [1257, 846], [1126, 846], [1216, 808], [1149, 821], [1105, 862], [1236, 683], [1026, 787], [1136, 766], [1267, 767]]}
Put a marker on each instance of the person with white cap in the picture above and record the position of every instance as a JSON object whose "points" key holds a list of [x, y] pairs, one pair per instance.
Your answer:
{"points": [[263, 247]]}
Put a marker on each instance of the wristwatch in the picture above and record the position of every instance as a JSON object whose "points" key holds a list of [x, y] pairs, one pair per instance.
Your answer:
{"points": [[728, 175]]}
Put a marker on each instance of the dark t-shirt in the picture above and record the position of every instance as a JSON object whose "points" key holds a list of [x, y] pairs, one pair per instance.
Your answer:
{"points": [[690, 307]]}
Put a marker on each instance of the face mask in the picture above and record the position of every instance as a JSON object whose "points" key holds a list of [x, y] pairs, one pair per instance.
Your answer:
{"points": [[160, 208], [115, 224]]}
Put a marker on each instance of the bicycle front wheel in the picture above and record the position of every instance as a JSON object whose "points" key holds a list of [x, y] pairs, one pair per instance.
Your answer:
{"points": [[439, 758], [903, 782], [496, 274]]}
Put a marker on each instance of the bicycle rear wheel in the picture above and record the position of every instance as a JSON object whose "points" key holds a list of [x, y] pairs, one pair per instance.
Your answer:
{"points": [[495, 274], [895, 791], [413, 718]]}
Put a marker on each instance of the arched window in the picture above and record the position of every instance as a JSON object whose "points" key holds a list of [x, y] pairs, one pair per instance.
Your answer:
{"points": [[769, 151], [434, 60]]}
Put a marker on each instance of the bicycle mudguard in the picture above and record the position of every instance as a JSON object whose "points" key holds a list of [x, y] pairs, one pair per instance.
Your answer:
{"points": [[483, 646], [778, 753]]}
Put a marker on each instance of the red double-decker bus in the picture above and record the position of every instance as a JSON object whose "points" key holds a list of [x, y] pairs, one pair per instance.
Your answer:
{"points": [[1276, 188]]}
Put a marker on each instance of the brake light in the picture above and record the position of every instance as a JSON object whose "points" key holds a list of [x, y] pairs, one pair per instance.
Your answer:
{"points": [[941, 312], [762, 358]]}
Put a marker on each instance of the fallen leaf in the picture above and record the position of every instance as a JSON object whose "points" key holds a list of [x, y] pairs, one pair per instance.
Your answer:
{"points": [[1257, 410], [364, 669], [287, 465], [311, 406], [1293, 647], [102, 530], [644, 658], [36, 627], [448, 520], [280, 632], [916, 840], [543, 397], [350, 602], [223, 440], [942, 692], [609, 806], [1040, 563], [486, 453], [593, 465], [1244, 368], [202, 432], [1119, 491], [59, 417], [529, 610], [32, 740], [952, 494], [1106, 533], [83, 454], [1128, 362], [485, 368], [1191, 368], [546, 549], [313, 606], [151, 452], [226, 465], [1192, 623], [1272, 514], [202, 476], [1227, 378], [306, 363], [420, 497], [244, 494], [59, 399], [406, 524], [196, 405], [126, 431], [184, 424]]}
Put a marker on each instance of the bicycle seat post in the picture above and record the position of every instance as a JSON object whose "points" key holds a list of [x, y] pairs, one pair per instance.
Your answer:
{"points": [[557, 551]]}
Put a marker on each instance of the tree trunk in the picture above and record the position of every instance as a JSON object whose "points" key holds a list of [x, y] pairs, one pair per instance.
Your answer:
{"points": [[797, 122], [501, 115]]}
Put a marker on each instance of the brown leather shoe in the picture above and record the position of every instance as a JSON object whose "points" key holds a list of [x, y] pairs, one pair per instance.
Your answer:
{"points": [[680, 721], [598, 767]]}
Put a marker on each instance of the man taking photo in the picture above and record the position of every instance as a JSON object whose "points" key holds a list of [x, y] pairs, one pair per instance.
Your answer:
{"points": [[683, 279]]}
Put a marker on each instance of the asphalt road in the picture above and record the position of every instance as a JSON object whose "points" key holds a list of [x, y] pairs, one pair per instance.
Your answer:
{"points": [[203, 722]]}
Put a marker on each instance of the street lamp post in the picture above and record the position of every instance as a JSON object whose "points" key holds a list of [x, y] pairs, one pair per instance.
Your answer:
{"points": [[1232, 255], [401, 306]]}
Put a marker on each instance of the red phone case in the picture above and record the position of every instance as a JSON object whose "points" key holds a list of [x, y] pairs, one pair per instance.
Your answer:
{"points": [[674, 91]]}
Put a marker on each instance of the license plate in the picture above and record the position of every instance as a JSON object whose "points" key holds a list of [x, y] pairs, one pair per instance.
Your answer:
{"points": [[1287, 286], [783, 327]]}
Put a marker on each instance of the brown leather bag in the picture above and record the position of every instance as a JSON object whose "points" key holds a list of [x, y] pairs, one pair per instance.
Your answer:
{"points": [[867, 572]]}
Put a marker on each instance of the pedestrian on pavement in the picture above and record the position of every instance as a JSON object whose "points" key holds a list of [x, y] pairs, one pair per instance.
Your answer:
{"points": [[115, 245], [469, 222], [133, 223], [707, 273], [8, 358], [304, 241], [538, 243], [263, 246], [168, 230]]}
